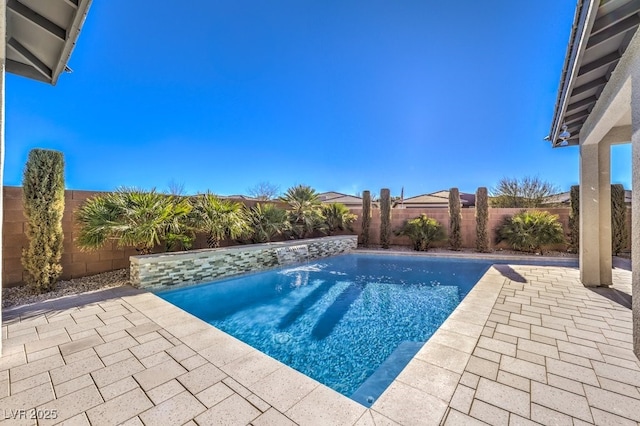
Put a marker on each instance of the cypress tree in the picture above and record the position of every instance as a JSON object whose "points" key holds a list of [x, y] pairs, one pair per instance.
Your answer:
{"points": [[482, 220], [574, 219], [43, 203], [619, 233], [455, 219], [366, 218], [385, 218]]}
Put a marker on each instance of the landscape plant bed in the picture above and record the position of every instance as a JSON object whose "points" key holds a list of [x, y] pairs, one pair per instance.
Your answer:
{"points": [[472, 252], [23, 295]]}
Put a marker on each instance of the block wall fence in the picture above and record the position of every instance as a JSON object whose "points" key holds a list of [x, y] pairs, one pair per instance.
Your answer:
{"points": [[468, 225], [77, 263]]}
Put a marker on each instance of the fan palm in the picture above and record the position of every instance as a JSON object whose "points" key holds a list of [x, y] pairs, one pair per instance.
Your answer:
{"points": [[218, 218], [132, 217], [422, 231], [267, 221], [304, 212], [531, 230], [337, 217]]}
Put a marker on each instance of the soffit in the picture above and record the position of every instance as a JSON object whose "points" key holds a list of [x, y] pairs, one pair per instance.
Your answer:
{"points": [[600, 35], [41, 35]]}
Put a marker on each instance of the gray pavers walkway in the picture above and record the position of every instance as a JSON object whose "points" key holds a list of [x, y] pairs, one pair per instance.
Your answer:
{"points": [[529, 345]]}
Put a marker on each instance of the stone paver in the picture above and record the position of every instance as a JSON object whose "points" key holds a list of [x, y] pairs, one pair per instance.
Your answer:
{"points": [[174, 411], [542, 349], [234, 410]]}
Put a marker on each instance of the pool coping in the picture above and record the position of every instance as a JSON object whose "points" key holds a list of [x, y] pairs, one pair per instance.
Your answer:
{"points": [[420, 393]]}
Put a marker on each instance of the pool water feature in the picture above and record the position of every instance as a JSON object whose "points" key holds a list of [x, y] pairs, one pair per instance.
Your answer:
{"points": [[351, 322]]}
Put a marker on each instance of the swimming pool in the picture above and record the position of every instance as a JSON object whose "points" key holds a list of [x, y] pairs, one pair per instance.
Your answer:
{"points": [[352, 322]]}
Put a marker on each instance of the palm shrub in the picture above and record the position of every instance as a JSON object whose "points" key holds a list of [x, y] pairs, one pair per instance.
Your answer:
{"points": [[455, 219], [305, 214], [482, 220], [43, 201], [422, 231], [574, 219], [530, 231], [133, 218], [267, 221], [218, 218], [366, 218], [618, 219], [180, 241], [337, 217], [385, 218]]}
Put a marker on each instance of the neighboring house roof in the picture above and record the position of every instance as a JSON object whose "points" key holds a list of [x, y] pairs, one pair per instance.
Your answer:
{"points": [[238, 197], [41, 35], [600, 35], [338, 197], [565, 198], [437, 199]]}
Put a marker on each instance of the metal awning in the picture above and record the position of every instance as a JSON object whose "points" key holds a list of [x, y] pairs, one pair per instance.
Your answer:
{"points": [[41, 35], [601, 32]]}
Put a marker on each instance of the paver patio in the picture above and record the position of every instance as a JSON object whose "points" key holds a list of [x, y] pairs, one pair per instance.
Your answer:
{"points": [[528, 345]]}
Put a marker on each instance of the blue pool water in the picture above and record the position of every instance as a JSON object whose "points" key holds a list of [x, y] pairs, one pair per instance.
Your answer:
{"points": [[351, 322]]}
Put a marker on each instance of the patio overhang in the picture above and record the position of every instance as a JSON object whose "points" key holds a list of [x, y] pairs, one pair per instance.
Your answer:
{"points": [[40, 36], [598, 105], [600, 35]]}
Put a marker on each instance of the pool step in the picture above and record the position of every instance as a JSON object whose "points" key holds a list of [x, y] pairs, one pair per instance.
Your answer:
{"points": [[373, 387]]}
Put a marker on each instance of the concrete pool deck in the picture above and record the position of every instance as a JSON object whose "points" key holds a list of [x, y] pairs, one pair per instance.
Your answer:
{"points": [[529, 344]]}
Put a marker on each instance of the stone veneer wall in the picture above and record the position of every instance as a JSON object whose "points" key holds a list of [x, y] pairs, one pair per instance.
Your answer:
{"points": [[161, 271]]}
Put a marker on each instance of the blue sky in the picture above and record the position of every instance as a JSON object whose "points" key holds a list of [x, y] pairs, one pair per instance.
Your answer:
{"points": [[340, 95]]}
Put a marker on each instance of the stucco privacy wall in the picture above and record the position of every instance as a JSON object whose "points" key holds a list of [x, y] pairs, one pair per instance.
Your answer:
{"points": [[160, 271], [75, 263], [78, 263], [468, 225]]}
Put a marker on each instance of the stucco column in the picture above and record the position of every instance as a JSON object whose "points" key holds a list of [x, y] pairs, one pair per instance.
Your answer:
{"points": [[3, 61], [604, 233], [635, 206], [595, 215]]}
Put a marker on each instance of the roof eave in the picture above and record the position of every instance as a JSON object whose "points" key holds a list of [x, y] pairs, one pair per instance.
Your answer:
{"points": [[582, 24], [73, 34]]}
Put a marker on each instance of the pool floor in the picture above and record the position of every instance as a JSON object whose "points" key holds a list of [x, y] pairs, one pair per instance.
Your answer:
{"points": [[351, 322]]}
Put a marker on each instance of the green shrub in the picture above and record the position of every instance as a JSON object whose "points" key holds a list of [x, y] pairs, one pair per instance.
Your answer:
{"points": [[179, 242], [366, 218], [574, 219], [218, 218], [455, 219], [337, 217], [43, 201], [619, 233], [482, 220], [385, 218], [304, 210], [133, 218], [422, 231], [267, 221], [530, 231]]}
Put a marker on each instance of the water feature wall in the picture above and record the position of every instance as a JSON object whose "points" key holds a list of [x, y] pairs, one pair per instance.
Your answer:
{"points": [[162, 271], [292, 254]]}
